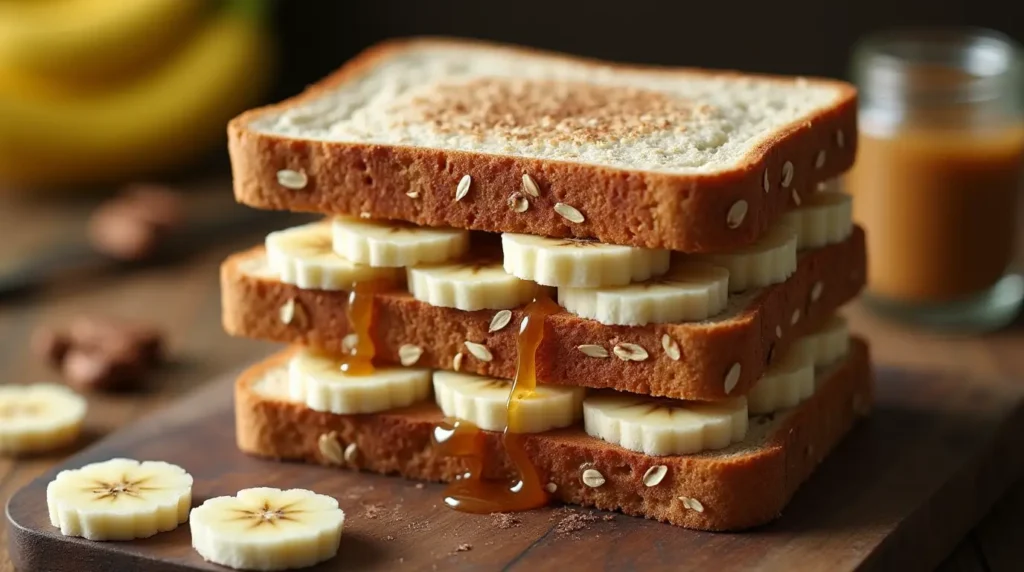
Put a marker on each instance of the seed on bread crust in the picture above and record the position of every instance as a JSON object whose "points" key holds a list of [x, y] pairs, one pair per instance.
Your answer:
{"points": [[289, 179], [463, 187], [593, 478]]}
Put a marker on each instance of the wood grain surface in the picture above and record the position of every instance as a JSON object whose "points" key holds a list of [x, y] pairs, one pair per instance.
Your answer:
{"points": [[183, 299], [903, 489]]}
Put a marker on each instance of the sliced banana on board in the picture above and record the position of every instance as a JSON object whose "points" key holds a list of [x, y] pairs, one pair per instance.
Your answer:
{"points": [[39, 417], [655, 426], [119, 499], [786, 383], [304, 256], [826, 345], [770, 260], [690, 291], [569, 262], [470, 286], [824, 218], [482, 401], [394, 244], [317, 380], [267, 529]]}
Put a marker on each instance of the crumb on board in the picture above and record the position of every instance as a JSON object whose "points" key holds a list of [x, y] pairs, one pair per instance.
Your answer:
{"points": [[608, 517], [373, 510], [464, 547], [389, 537], [504, 520], [573, 521], [420, 485]]}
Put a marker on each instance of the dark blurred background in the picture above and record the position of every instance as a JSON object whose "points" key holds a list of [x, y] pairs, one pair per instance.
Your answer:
{"points": [[811, 37]]}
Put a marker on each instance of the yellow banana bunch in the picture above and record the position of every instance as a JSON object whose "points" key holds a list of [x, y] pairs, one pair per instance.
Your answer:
{"points": [[117, 114]]}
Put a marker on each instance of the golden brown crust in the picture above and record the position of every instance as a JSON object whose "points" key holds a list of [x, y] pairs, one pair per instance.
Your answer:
{"points": [[738, 487], [709, 349], [643, 208]]}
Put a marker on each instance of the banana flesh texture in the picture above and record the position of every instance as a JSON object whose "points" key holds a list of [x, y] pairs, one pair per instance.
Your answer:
{"points": [[119, 499], [470, 285], [304, 256], [482, 401], [770, 260], [824, 218], [267, 529], [827, 345], [690, 291], [318, 381], [661, 427], [787, 382], [40, 417], [387, 244], [572, 263]]}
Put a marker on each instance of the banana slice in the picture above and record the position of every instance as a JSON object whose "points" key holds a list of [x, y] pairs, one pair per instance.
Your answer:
{"points": [[470, 286], [40, 417], [770, 260], [317, 380], [482, 401], [655, 426], [827, 345], [392, 244], [119, 499], [303, 256], [267, 529], [825, 218], [786, 383], [690, 291], [567, 262]]}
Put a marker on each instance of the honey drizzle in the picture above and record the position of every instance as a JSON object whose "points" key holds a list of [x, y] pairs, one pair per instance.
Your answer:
{"points": [[359, 312], [470, 492]]}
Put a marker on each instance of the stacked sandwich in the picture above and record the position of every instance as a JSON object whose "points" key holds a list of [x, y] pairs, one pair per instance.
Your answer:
{"points": [[542, 278]]}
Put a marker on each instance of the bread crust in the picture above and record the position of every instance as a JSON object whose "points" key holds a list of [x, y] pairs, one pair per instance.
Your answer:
{"points": [[708, 349], [738, 488], [682, 212]]}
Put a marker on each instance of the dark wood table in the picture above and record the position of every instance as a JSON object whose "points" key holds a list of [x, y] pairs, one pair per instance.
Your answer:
{"points": [[183, 298]]}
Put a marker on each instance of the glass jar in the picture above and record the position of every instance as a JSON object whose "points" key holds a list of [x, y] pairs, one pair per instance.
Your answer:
{"points": [[938, 176]]}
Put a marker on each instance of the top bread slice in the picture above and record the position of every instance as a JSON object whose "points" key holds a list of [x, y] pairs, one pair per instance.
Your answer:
{"points": [[682, 159]]}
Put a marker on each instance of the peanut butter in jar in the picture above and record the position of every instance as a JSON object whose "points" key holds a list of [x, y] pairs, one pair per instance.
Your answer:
{"points": [[939, 175]]}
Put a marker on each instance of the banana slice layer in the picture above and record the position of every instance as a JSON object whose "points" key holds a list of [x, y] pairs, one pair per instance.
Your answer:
{"points": [[119, 499], [267, 529], [393, 244], [317, 380], [770, 260], [39, 417], [827, 345], [482, 401], [567, 262], [824, 218], [787, 382], [655, 426], [470, 286], [304, 256]]}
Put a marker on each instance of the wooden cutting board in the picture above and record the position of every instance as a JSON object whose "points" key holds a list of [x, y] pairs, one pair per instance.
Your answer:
{"points": [[899, 493]]}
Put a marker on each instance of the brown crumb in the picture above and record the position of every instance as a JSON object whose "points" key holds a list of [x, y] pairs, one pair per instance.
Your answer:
{"points": [[464, 547], [574, 521], [608, 517], [420, 485], [373, 510], [504, 521], [389, 537]]}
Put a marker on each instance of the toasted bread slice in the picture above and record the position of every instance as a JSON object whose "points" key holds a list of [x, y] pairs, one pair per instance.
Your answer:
{"points": [[756, 327], [744, 485], [682, 159]]}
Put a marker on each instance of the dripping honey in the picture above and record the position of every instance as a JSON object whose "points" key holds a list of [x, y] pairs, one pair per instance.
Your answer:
{"points": [[471, 492], [359, 359]]}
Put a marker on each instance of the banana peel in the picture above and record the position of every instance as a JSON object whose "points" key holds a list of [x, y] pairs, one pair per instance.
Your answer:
{"points": [[166, 117]]}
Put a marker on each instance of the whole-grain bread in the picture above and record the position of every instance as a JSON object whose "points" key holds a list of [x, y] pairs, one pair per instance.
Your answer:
{"points": [[756, 327], [744, 485], [682, 159]]}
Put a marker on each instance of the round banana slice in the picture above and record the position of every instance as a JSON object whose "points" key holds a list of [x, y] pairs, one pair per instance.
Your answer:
{"points": [[317, 381], [39, 417], [690, 291], [303, 256], [825, 218], [827, 345], [787, 382], [770, 260], [482, 401], [655, 426], [267, 529], [393, 244], [470, 286], [119, 499], [569, 262]]}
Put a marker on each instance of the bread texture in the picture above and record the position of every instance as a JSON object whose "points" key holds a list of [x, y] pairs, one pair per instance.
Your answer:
{"points": [[756, 327], [652, 157], [739, 487]]}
